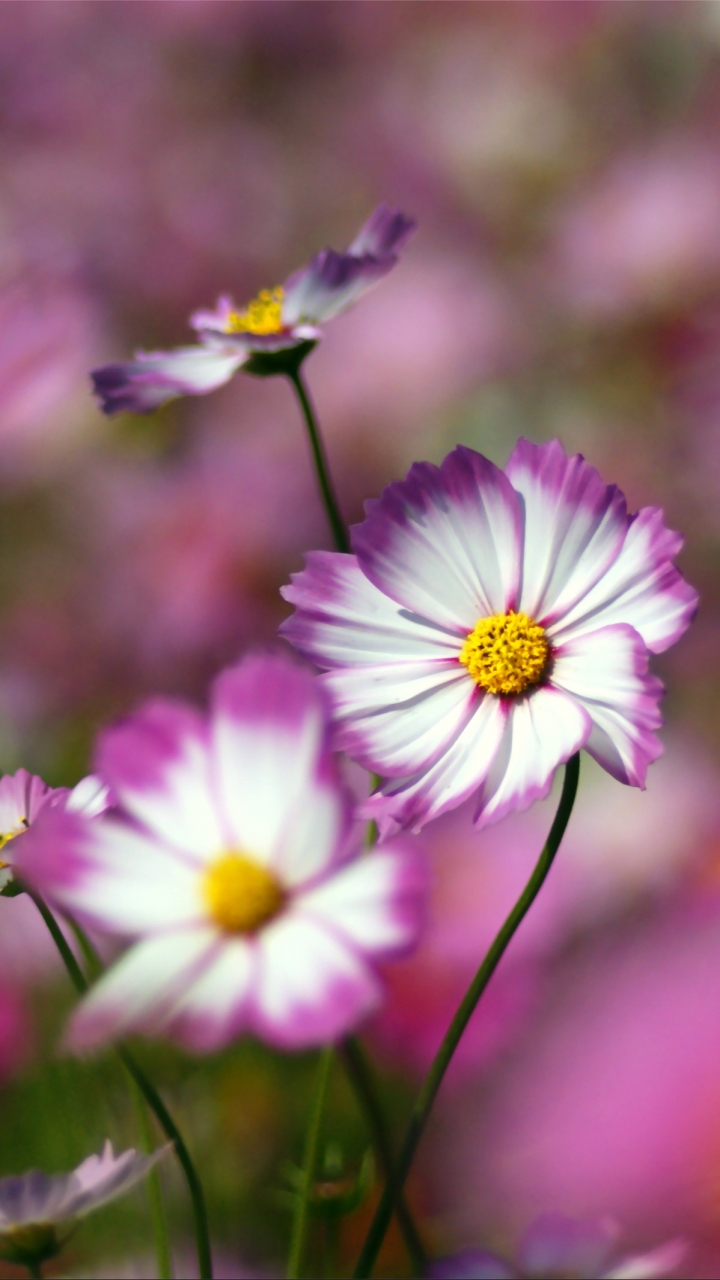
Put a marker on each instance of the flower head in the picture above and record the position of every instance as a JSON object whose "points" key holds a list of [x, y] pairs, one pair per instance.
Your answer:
{"points": [[556, 1246], [282, 319], [229, 863], [489, 625], [35, 1205], [23, 795]]}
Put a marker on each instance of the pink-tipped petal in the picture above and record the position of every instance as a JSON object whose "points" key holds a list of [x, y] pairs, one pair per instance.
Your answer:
{"points": [[141, 990], [110, 874], [544, 728], [607, 671], [377, 903], [642, 588], [408, 803], [154, 377], [399, 718], [22, 796], [445, 542], [575, 526], [275, 776], [329, 284], [216, 321], [386, 231], [343, 620], [157, 763], [310, 986], [214, 1008]]}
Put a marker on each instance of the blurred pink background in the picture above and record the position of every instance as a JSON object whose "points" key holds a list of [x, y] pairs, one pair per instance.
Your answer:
{"points": [[563, 162]]}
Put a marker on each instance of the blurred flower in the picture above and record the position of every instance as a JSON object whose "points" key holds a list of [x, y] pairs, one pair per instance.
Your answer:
{"points": [[232, 870], [489, 626], [35, 1205], [277, 320], [23, 795], [555, 1246]]}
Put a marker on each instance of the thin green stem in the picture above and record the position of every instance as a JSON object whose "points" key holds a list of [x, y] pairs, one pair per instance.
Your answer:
{"points": [[310, 1160], [34, 1270], [361, 1078], [147, 1089], [322, 467], [434, 1078], [154, 1188]]}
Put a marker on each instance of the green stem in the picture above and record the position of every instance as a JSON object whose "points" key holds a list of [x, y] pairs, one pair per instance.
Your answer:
{"points": [[322, 468], [154, 1187], [310, 1159], [148, 1090], [361, 1079], [434, 1078]]}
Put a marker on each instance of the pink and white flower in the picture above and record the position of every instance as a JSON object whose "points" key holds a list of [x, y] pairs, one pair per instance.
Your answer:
{"points": [[230, 865], [22, 797], [277, 320], [488, 626]]}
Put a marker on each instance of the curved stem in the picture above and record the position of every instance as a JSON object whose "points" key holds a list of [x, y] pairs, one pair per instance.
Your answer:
{"points": [[361, 1079], [147, 1089], [310, 1158], [434, 1078], [322, 468]]}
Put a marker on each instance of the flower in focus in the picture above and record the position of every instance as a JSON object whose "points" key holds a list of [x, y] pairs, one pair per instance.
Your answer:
{"points": [[229, 863], [556, 1246], [33, 1206], [278, 320], [23, 795], [489, 625]]}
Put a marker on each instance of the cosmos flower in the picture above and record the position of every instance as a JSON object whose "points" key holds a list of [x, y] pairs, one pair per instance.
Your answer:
{"points": [[35, 1205], [230, 865], [554, 1246], [277, 320], [489, 625], [23, 795]]}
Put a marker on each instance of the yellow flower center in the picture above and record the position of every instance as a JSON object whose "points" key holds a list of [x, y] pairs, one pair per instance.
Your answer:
{"points": [[506, 654], [241, 895], [261, 316], [6, 836]]}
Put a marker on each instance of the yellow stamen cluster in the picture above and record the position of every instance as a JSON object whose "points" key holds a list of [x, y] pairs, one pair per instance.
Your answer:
{"points": [[506, 654], [261, 316], [5, 836], [240, 894]]}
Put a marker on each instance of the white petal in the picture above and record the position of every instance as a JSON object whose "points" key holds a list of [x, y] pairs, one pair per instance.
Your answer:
{"points": [[310, 987], [213, 1009], [642, 588], [374, 902], [275, 775], [141, 989], [411, 802], [399, 718], [575, 526], [607, 671], [130, 883], [543, 730]]}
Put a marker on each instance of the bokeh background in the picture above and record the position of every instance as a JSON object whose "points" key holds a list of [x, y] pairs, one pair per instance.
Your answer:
{"points": [[563, 162]]}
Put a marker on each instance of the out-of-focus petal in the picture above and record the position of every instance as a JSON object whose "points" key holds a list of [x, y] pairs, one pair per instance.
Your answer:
{"points": [[544, 728], [141, 990], [105, 1177], [651, 1265], [329, 284], [386, 231], [90, 796], [157, 763], [575, 525], [310, 987], [607, 671], [445, 542], [275, 776], [154, 377], [558, 1245], [376, 903], [470, 1264], [214, 1008], [642, 588]]}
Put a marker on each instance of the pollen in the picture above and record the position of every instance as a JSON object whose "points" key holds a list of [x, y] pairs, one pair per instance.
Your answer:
{"points": [[506, 654], [240, 894], [262, 316]]}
